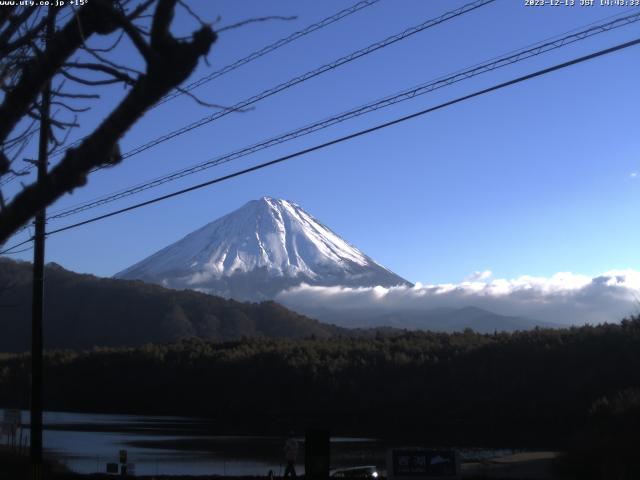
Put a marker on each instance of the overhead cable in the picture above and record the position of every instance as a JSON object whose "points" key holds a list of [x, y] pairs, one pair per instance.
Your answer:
{"points": [[405, 95], [357, 134]]}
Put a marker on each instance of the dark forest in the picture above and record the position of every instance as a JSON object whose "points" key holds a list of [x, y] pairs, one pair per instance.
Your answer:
{"points": [[538, 387]]}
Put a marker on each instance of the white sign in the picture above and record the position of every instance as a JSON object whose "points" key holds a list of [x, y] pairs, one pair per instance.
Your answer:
{"points": [[422, 464]]}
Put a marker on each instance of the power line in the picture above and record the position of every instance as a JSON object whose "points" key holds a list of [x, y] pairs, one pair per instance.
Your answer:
{"points": [[251, 57], [231, 67], [10, 178], [314, 73], [28, 249], [259, 53], [296, 80], [356, 134], [343, 139], [13, 247], [308, 76], [405, 95], [268, 49]]}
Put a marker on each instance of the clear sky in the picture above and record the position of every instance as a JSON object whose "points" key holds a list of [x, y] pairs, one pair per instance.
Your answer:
{"points": [[535, 179]]}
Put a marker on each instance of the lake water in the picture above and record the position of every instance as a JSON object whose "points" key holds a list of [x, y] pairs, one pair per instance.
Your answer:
{"points": [[85, 443]]}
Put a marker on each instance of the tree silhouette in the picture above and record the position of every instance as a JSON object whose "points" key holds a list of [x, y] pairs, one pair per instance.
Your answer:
{"points": [[28, 63]]}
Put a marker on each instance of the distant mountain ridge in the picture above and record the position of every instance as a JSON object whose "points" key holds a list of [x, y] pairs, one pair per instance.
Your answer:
{"points": [[83, 311], [258, 250], [441, 319]]}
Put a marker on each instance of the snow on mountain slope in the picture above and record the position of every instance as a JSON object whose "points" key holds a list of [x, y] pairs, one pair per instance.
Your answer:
{"points": [[253, 253]]}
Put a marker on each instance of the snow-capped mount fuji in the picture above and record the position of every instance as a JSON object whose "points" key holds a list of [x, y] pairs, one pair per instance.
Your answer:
{"points": [[253, 253]]}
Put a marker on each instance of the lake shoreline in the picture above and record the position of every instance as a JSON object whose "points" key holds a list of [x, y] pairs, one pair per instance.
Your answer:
{"points": [[177, 447], [533, 466]]}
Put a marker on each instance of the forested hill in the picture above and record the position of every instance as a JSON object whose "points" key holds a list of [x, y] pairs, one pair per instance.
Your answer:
{"points": [[532, 388], [83, 311]]}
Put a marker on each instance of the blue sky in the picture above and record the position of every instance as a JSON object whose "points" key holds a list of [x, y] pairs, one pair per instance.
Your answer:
{"points": [[530, 180]]}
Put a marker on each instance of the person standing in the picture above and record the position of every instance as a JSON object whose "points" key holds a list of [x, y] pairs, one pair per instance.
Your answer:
{"points": [[290, 453]]}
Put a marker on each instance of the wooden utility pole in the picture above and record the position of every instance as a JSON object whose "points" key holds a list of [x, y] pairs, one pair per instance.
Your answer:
{"points": [[37, 304]]}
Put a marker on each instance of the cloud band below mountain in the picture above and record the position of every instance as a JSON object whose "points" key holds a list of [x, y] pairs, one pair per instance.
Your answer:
{"points": [[564, 298]]}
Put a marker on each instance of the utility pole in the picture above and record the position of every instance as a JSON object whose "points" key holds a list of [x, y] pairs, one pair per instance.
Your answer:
{"points": [[37, 305]]}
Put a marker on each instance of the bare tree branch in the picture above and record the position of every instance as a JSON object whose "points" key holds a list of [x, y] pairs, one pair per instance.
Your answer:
{"points": [[193, 14], [98, 67], [14, 23], [140, 9], [69, 107], [5, 14], [39, 69], [110, 47], [118, 78], [19, 136], [58, 143], [204, 103], [31, 34], [169, 63], [87, 96], [94, 53], [132, 32]]}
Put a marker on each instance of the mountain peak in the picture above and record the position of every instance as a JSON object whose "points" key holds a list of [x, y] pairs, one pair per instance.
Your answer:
{"points": [[269, 204], [264, 246]]}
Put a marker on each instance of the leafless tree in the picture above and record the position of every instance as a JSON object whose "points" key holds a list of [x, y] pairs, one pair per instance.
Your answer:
{"points": [[75, 56]]}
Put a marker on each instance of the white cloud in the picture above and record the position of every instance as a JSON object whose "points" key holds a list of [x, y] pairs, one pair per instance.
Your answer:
{"points": [[477, 276], [565, 297], [634, 175]]}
